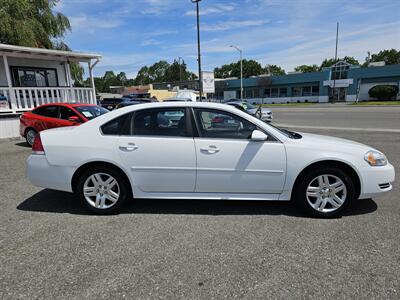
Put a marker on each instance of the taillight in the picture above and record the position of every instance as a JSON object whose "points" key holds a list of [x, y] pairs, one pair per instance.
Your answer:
{"points": [[37, 147]]}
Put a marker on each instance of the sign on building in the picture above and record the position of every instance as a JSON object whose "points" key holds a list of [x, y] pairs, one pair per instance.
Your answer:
{"points": [[208, 82]]}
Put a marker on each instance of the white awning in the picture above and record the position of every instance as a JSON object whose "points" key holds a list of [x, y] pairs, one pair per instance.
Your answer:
{"points": [[40, 53]]}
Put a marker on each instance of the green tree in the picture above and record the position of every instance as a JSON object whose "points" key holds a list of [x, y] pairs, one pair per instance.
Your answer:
{"points": [[250, 68], [307, 68], [121, 78], [329, 62], [33, 23], [274, 70], [390, 57]]}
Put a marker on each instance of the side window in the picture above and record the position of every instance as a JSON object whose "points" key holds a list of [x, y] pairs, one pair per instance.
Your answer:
{"points": [[220, 124], [160, 122], [66, 113], [47, 111], [118, 126]]}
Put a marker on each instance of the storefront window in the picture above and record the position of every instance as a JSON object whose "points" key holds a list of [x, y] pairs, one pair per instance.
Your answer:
{"points": [[315, 90], [274, 92], [296, 91], [34, 77], [283, 92], [306, 91]]}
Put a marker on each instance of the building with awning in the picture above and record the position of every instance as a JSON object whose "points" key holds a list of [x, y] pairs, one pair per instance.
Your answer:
{"points": [[30, 77]]}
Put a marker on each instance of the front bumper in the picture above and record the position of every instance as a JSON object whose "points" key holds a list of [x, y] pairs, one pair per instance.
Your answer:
{"points": [[376, 180], [40, 173]]}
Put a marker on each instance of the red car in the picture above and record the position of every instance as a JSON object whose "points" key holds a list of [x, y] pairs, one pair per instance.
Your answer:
{"points": [[56, 115]]}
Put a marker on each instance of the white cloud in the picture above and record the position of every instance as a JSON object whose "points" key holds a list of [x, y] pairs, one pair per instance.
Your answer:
{"points": [[83, 22], [150, 42], [215, 9], [228, 25]]}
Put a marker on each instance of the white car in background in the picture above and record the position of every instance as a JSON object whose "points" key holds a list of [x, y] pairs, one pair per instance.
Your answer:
{"points": [[144, 151]]}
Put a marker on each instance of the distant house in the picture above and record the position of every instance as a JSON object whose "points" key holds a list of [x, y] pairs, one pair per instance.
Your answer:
{"points": [[33, 76]]}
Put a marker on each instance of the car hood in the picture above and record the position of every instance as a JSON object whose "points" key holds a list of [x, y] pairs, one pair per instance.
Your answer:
{"points": [[330, 142]]}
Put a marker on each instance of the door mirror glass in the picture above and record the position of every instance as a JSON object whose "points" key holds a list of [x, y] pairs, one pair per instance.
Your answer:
{"points": [[74, 119], [258, 135]]}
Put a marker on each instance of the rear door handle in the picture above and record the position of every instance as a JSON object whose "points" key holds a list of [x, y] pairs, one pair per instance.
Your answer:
{"points": [[210, 149], [129, 147]]}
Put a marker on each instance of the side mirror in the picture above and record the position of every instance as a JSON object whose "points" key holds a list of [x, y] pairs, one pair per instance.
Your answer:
{"points": [[258, 135], [74, 119]]}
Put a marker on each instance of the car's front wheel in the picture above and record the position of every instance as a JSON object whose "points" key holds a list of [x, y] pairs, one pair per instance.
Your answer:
{"points": [[30, 136], [325, 192], [103, 190]]}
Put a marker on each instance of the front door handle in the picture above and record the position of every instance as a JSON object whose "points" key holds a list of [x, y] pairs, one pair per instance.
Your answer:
{"points": [[129, 147], [210, 149]]}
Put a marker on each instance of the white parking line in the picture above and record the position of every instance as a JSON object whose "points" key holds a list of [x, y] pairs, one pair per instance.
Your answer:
{"points": [[340, 128]]}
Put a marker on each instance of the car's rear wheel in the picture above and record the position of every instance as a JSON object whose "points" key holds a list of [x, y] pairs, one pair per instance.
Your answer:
{"points": [[103, 190], [325, 192], [30, 136]]}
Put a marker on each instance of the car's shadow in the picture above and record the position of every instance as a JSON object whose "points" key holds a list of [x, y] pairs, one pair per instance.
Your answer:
{"points": [[22, 144], [59, 202]]}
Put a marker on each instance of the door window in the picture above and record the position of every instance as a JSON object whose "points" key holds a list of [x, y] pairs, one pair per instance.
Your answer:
{"points": [[117, 126], [160, 122], [66, 113], [47, 111], [220, 124]]}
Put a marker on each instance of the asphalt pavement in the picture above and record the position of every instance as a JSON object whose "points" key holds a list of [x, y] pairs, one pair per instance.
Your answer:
{"points": [[51, 248]]}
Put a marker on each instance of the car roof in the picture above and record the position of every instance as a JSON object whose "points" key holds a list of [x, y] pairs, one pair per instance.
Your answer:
{"points": [[72, 104]]}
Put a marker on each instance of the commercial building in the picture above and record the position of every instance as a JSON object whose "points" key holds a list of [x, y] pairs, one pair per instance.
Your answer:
{"points": [[340, 83]]}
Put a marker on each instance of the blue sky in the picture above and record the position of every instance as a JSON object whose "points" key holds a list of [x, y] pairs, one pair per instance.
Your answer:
{"points": [[133, 33]]}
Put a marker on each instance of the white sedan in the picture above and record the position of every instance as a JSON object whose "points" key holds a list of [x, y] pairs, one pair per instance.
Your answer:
{"points": [[197, 150]]}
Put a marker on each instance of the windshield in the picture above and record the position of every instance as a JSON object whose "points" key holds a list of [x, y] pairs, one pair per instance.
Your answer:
{"points": [[91, 112], [248, 105]]}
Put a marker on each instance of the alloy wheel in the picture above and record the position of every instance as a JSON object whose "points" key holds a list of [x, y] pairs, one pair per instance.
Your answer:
{"points": [[101, 190], [326, 193], [30, 136]]}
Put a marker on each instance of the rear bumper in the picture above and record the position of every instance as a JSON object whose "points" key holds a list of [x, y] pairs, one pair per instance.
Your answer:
{"points": [[376, 180], [40, 173]]}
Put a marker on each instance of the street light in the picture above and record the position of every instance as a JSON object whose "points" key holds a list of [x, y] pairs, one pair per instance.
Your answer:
{"points": [[241, 70], [198, 47]]}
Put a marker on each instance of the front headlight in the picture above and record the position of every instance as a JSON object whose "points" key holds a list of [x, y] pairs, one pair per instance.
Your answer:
{"points": [[375, 158]]}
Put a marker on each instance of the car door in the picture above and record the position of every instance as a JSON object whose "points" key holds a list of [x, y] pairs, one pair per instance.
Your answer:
{"points": [[64, 114], [48, 117], [229, 162], [160, 151]]}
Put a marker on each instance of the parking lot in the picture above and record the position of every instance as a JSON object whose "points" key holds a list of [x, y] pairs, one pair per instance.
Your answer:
{"points": [[50, 247]]}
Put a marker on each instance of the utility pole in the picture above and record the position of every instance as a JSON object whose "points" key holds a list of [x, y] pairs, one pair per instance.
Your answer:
{"points": [[241, 70], [180, 68], [198, 48], [334, 77]]}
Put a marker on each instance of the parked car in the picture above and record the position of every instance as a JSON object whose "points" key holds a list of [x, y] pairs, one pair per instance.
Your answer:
{"points": [[110, 103], [261, 113], [133, 101], [56, 115], [3, 102], [135, 153]]}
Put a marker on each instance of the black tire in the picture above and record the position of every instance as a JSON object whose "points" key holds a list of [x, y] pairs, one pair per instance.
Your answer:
{"points": [[123, 185], [30, 132], [300, 191]]}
